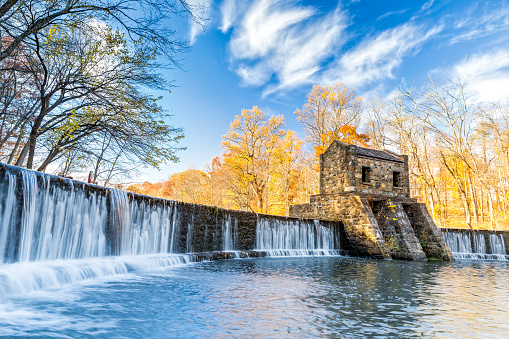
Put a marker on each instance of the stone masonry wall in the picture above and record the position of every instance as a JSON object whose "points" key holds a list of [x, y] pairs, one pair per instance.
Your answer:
{"points": [[430, 237], [341, 171], [200, 227], [401, 230], [362, 237], [381, 182], [399, 236]]}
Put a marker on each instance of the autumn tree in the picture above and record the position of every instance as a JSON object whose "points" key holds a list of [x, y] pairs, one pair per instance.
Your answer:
{"points": [[86, 86], [327, 110], [250, 153], [346, 133]]}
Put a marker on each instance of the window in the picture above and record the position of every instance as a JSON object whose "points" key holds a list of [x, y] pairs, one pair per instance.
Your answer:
{"points": [[366, 174], [396, 179]]}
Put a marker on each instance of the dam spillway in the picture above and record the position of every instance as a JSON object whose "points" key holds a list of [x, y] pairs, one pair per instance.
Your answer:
{"points": [[55, 230], [477, 244]]}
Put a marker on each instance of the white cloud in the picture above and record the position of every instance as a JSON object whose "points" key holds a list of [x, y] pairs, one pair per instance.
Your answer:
{"points": [[478, 23], [263, 28], [228, 14], [202, 8], [289, 43], [303, 51], [375, 59], [427, 5], [487, 74], [383, 16]]}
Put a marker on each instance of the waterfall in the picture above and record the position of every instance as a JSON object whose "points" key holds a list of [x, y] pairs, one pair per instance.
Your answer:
{"points": [[497, 244], [139, 227], [57, 222], [62, 231], [55, 231], [7, 217], [294, 237], [230, 233], [479, 243], [460, 243]]}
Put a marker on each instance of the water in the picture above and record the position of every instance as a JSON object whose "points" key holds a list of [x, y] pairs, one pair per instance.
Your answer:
{"points": [[497, 244], [76, 262], [285, 235], [460, 244], [265, 297]]}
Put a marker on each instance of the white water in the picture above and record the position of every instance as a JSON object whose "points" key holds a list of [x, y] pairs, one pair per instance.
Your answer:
{"points": [[26, 277], [142, 228], [288, 237], [59, 235], [56, 222], [497, 244], [460, 244], [230, 231], [300, 253], [7, 215]]}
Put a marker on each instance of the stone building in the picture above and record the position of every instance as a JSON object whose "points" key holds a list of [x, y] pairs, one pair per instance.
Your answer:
{"points": [[368, 191]]}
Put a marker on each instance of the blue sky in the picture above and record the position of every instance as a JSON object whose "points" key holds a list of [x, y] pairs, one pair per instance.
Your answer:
{"points": [[270, 53]]}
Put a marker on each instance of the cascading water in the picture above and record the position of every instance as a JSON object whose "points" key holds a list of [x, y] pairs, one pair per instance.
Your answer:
{"points": [[294, 237], [140, 227], [230, 233], [479, 243], [61, 232], [497, 244], [54, 231], [7, 217], [57, 222], [460, 244]]}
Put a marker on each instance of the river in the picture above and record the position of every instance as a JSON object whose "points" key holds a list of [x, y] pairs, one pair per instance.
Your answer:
{"points": [[304, 297]]}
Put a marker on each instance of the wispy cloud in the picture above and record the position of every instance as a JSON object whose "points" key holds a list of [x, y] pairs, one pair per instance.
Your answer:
{"points": [[287, 43], [228, 14], [427, 5], [263, 27], [375, 59], [479, 22], [487, 74], [383, 16], [202, 9]]}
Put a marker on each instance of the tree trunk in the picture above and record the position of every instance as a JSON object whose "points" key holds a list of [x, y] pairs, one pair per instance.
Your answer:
{"points": [[52, 154], [490, 203], [473, 199], [23, 154]]}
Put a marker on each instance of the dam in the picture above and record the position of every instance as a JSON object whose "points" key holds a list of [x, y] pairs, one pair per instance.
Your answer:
{"points": [[82, 260]]}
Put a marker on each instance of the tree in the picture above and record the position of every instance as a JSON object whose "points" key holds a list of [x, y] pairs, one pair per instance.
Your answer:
{"points": [[250, 149], [327, 110], [87, 86], [144, 21], [346, 133]]}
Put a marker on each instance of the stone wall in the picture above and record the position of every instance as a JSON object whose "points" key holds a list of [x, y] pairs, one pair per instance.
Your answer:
{"points": [[430, 237], [341, 171], [401, 241], [361, 236], [379, 228], [197, 228]]}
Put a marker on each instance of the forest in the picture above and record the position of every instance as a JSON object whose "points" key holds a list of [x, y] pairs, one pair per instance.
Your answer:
{"points": [[458, 149]]}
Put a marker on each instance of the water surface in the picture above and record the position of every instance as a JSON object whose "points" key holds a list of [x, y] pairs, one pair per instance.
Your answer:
{"points": [[273, 297]]}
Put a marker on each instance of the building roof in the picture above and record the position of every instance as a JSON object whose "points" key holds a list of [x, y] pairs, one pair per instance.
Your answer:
{"points": [[376, 154]]}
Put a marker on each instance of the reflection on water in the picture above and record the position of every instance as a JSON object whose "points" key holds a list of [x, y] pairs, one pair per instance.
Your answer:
{"points": [[284, 297]]}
